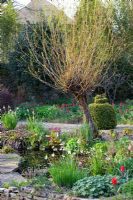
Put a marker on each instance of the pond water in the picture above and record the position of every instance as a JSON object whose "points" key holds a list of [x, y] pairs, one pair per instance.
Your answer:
{"points": [[35, 163]]}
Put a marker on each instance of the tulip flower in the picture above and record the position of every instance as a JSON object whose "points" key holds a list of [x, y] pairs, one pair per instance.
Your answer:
{"points": [[114, 181], [122, 168]]}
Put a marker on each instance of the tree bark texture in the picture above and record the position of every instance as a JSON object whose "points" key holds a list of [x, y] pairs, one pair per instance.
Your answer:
{"points": [[83, 103]]}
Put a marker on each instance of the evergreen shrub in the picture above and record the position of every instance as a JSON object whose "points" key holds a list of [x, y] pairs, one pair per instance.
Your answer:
{"points": [[103, 114]]}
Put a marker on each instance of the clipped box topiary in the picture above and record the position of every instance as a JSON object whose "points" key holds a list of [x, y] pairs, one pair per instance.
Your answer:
{"points": [[103, 113]]}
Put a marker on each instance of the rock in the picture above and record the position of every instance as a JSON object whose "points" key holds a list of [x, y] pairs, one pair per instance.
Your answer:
{"points": [[38, 198], [26, 189], [13, 189], [12, 195], [2, 190], [8, 163]]}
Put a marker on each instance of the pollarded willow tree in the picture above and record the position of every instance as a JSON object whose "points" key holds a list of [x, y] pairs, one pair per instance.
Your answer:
{"points": [[76, 54]]}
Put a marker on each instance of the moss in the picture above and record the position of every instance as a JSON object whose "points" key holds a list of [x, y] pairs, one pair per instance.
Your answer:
{"points": [[128, 131], [7, 149]]}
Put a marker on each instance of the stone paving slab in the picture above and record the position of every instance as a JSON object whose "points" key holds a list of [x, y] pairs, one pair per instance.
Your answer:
{"points": [[9, 178], [8, 163]]}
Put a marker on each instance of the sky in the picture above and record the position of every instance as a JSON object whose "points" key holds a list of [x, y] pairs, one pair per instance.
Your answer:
{"points": [[69, 6]]}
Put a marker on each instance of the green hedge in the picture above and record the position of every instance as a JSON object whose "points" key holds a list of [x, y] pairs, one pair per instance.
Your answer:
{"points": [[103, 114]]}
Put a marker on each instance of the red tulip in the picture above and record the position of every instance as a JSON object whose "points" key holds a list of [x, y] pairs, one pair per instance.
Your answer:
{"points": [[121, 104], [114, 181], [113, 104], [122, 168]]}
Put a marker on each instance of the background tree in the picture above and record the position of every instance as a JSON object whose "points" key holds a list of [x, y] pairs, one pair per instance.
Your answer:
{"points": [[124, 22], [8, 29], [77, 60], [24, 86], [120, 83]]}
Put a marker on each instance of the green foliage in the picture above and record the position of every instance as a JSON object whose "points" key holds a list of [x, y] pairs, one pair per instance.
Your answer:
{"points": [[94, 186], [103, 114], [66, 173], [128, 164], [21, 58], [97, 162], [79, 141], [54, 142], [24, 110], [72, 145], [100, 99], [8, 28], [127, 188], [17, 184], [124, 112], [63, 113], [104, 157], [39, 182], [37, 132], [9, 120], [85, 133], [6, 185], [121, 148], [47, 112]]}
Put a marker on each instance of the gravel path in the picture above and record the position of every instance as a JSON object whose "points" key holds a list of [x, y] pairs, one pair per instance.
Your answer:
{"points": [[71, 127]]}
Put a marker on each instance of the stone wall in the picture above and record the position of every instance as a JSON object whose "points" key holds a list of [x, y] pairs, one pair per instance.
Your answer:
{"points": [[26, 193]]}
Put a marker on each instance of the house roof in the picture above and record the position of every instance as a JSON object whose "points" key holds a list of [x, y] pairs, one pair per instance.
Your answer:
{"points": [[32, 12]]}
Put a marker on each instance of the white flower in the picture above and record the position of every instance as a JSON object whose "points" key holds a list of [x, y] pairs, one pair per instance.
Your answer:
{"points": [[55, 149], [53, 155], [108, 158], [78, 141], [69, 152]]}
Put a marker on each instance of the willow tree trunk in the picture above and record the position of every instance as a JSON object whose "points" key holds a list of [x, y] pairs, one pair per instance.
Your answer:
{"points": [[83, 103]]}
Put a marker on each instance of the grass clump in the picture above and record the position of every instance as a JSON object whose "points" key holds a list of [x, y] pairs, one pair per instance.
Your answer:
{"points": [[9, 120], [66, 172]]}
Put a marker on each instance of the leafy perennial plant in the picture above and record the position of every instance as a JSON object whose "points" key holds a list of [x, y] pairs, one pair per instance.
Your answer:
{"points": [[94, 186]]}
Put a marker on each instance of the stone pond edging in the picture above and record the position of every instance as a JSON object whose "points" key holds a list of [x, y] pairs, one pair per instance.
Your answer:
{"points": [[26, 193]]}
